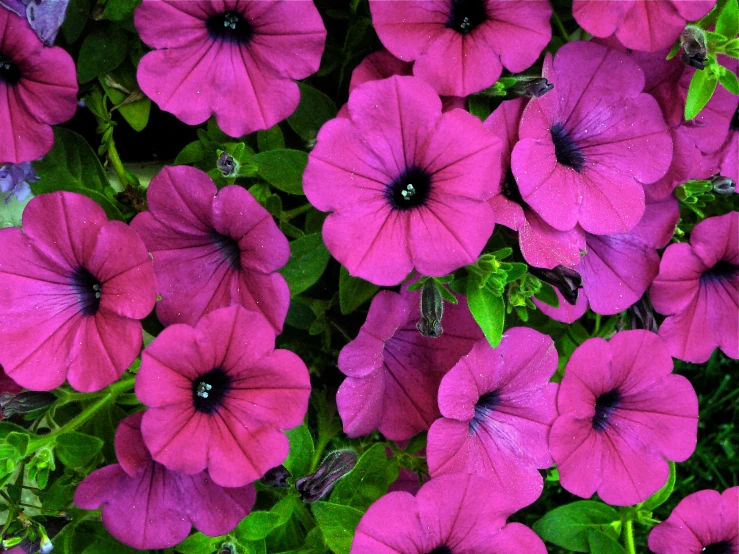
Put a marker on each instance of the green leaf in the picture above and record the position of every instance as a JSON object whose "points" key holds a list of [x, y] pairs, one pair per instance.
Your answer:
{"points": [[283, 169], [700, 91], [478, 106], [727, 23], [271, 139], [353, 291], [367, 482], [19, 441], [601, 543], [118, 10], [308, 260], [76, 449], [102, 51], [190, 154], [198, 544], [75, 20], [337, 524], [135, 113], [489, 312], [299, 459], [314, 110], [569, 526], [730, 82], [659, 497], [547, 295], [256, 526]]}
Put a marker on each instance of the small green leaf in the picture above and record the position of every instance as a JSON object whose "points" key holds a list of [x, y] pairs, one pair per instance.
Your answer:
{"points": [[308, 260], [198, 544], [76, 449], [661, 496], [271, 139], [102, 51], [353, 291], [256, 526], [478, 106], [367, 482], [730, 82], [727, 23], [700, 91], [314, 110], [547, 295], [568, 526], [299, 459], [337, 524], [118, 10], [601, 543], [282, 169], [489, 312], [190, 154], [75, 20]]}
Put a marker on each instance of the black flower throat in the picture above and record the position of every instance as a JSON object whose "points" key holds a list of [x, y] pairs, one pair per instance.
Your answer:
{"points": [[209, 390], [466, 15], [486, 404], [441, 550], [605, 405], [88, 291], [229, 248], [567, 151], [722, 271], [229, 27], [410, 189], [10, 73], [722, 547]]}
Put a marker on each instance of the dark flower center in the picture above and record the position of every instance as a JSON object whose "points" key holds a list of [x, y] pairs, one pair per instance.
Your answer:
{"points": [[209, 390], [568, 153], [88, 290], [723, 547], [510, 190], [722, 271], [229, 247], [734, 124], [605, 405], [229, 27], [486, 404], [465, 15], [410, 189], [441, 550], [10, 73]]}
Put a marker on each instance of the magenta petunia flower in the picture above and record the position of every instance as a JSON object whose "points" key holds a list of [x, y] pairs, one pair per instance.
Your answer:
{"points": [[73, 287], [38, 88], [705, 522], [461, 46], [587, 148], [639, 24], [541, 244], [622, 414], [453, 513], [236, 59], [147, 506], [408, 186], [393, 372], [498, 407], [697, 288], [212, 248], [219, 396]]}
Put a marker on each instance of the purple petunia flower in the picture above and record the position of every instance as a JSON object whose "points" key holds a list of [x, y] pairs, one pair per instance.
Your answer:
{"points": [[393, 372], [14, 179], [38, 88], [622, 414], [639, 24], [236, 59], [498, 407], [147, 506], [408, 186], [587, 148], [461, 46], [72, 289], [44, 16], [705, 522], [541, 244], [453, 513], [219, 396], [697, 288], [212, 248]]}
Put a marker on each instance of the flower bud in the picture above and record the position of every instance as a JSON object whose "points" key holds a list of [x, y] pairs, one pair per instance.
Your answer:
{"points": [[723, 186], [317, 485], [532, 87], [642, 315], [277, 477], [227, 164], [693, 51], [564, 279], [432, 310]]}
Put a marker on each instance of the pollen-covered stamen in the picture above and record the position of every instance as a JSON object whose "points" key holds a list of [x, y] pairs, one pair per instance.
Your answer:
{"points": [[605, 405], [410, 189], [466, 15], [408, 192], [209, 390], [88, 291], [203, 389], [722, 547], [10, 73], [565, 149], [229, 27]]}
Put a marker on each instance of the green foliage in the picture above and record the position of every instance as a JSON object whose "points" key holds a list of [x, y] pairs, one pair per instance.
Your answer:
{"points": [[283, 169], [314, 110], [353, 291], [102, 51], [368, 481], [701, 88], [569, 526], [337, 523], [308, 260]]}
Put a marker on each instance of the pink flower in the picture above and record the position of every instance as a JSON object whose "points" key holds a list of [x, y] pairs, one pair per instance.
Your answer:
{"points": [[212, 248], [587, 148], [725, 160], [697, 288], [219, 396], [393, 372], [461, 46], [541, 244], [639, 24], [408, 186], [498, 406], [453, 513], [621, 416], [236, 59], [38, 88], [705, 522], [146, 506], [72, 289]]}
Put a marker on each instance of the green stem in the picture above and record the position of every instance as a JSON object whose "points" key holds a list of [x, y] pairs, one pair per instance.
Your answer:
{"points": [[597, 325], [115, 161], [629, 536], [318, 453], [287, 215], [694, 209], [560, 27], [304, 515]]}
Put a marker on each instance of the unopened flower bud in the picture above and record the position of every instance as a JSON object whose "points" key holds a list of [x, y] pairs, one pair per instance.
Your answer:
{"points": [[723, 186], [642, 315], [564, 279], [24, 402], [277, 477], [432, 310], [534, 87], [693, 51], [227, 164], [317, 485]]}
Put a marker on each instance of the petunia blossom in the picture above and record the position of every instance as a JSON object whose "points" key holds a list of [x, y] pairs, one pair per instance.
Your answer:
{"points": [[497, 408], [73, 287], [622, 415], [212, 248], [220, 396], [587, 148], [408, 186], [14, 181], [705, 522], [461, 46], [237, 59], [698, 289], [38, 89], [147, 506], [452, 513], [393, 372], [639, 24]]}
